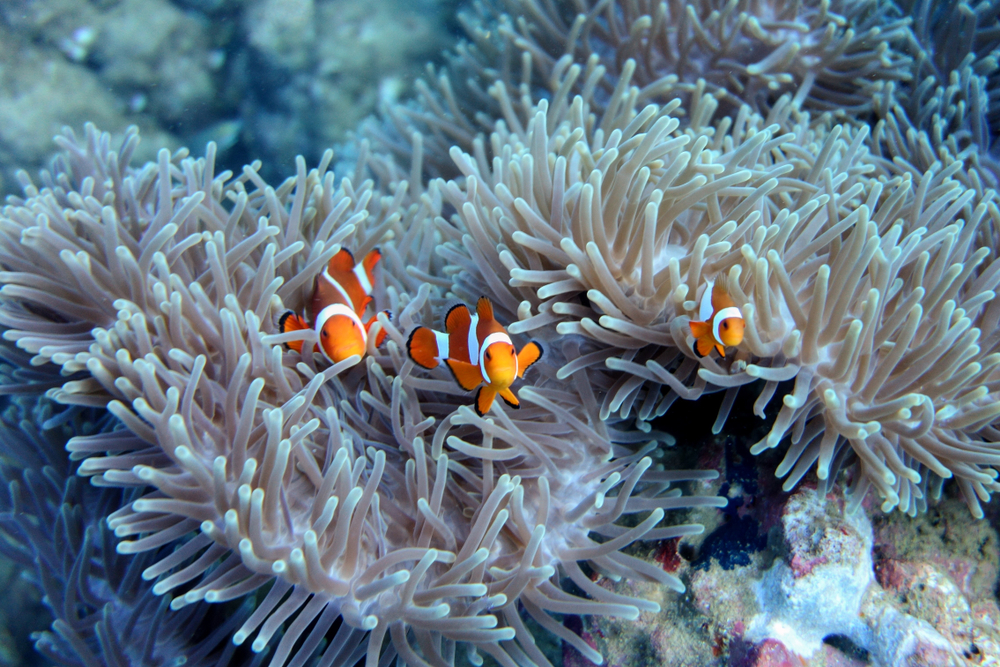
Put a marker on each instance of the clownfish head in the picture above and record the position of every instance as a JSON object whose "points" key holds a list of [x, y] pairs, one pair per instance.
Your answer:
{"points": [[731, 331], [342, 337], [500, 365]]}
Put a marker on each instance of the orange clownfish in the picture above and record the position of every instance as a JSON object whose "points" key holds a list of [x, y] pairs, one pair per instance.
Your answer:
{"points": [[478, 351], [342, 293], [721, 324]]}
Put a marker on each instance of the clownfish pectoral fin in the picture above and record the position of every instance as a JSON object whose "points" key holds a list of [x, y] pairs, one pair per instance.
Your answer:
{"points": [[342, 261], [484, 308], [292, 322], [422, 347], [466, 375], [484, 399], [382, 332], [721, 350], [703, 346], [528, 355], [457, 319], [700, 329], [509, 398]]}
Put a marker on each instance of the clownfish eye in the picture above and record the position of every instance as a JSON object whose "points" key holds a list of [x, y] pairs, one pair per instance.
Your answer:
{"points": [[326, 334], [725, 324], [489, 357]]}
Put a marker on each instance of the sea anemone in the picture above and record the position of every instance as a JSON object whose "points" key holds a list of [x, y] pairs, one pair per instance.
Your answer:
{"points": [[53, 524], [357, 492], [829, 55], [860, 279]]}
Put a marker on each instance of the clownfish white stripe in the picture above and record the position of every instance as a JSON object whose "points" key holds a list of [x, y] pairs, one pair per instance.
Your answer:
{"points": [[337, 309], [473, 339], [362, 275], [442, 345], [498, 337], [724, 314], [705, 307], [339, 288]]}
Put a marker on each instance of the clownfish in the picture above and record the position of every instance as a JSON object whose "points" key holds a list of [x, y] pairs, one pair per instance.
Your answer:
{"points": [[478, 351], [342, 293], [721, 324]]}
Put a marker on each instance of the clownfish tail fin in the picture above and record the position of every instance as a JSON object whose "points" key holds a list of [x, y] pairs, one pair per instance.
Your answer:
{"points": [[291, 322], [422, 347], [284, 319], [528, 355]]}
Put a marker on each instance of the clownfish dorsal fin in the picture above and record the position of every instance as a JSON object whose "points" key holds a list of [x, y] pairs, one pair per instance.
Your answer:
{"points": [[458, 319], [351, 281], [484, 308], [721, 298], [369, 262], [456, 326], [342, 261]]}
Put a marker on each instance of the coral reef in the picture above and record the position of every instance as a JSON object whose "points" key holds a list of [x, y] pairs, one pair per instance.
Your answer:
{"points": [[943, 558], [815, 598]]}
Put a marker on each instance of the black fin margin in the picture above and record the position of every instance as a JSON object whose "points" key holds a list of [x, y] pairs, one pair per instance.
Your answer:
{"points": [[515, 407], [475, 403]]}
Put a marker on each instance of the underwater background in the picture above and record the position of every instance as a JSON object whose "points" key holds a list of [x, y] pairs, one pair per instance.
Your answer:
{"points": [[844, 558]]}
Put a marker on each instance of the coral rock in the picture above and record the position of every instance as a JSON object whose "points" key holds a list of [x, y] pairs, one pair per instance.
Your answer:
{"points": [[817, 592]]}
